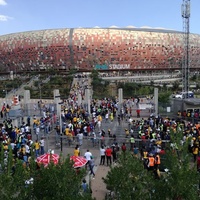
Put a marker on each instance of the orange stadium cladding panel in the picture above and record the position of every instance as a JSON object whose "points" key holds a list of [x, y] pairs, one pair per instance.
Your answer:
{"points": [[104, 48]]}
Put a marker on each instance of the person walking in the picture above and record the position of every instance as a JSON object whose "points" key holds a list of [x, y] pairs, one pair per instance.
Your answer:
{"points": [[88, 156], [85, 186], [151, 162], [103, 155], [91, 166], [132, 142], [77, 151], [119, 119], [157, 164], [106, 117], [37, 148], [57, 135], [80, 138], [126, 132], [69, 138], [37, 132], [123, 147], [108, 153], [195, 151], [138, 113], [114, 153], [135, 151], [42, 146], [111, 117], [144, 154]]}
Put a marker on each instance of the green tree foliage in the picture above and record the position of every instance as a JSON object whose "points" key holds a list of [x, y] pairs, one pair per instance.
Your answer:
{"points": [[164, 97], [51, 71], [175, 86], [182, 181], [72, 71], [135, 89], [59, 181], [95, 77], [57, 80], [99, 86], [129, 180]]}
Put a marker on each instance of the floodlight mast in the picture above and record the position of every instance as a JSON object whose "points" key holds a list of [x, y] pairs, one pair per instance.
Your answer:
{"points": [[186, 46]]}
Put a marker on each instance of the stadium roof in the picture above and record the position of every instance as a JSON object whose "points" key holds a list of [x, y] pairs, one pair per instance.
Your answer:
{"points": [[129, 28]]}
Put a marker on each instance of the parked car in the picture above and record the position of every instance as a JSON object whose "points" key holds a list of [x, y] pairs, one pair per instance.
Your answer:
{"points": [[185, 95]]}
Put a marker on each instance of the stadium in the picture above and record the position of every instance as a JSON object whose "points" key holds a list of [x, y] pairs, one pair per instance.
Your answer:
{"points": [[109, 49]]}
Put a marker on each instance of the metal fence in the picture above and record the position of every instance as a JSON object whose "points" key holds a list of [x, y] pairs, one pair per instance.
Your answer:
{"points": [[91, 143], [37, 109]]}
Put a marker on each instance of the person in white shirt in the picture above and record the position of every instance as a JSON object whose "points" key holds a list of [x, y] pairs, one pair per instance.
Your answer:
{"points": [[22, 129], [37, 131], [94, 114], [27, 149], [27, 129], [99, 125], [88, 156], [94, 138], [42, 145], [102, 154], [80, 138], [106, 117]]}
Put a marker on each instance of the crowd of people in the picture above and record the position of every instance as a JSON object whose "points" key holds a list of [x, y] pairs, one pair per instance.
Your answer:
{"points": [[145, 138], [18, 142]]}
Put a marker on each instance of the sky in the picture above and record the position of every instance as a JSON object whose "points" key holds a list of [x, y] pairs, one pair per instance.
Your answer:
{"points": [[28, 15]]}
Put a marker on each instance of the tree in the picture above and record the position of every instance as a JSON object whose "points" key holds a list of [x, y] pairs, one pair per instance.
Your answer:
{"points": [[94, 75], [73, 71], [129, 180], [175, 85], [99, 86], [59, 181], [164, 97], [182, 181]]}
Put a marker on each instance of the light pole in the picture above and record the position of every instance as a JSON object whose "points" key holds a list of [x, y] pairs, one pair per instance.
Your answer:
{"points": [[58, 108], [61, 132], [40, 91], [6, 93]]}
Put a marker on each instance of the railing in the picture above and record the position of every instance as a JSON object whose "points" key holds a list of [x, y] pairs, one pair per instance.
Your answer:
{"points": [[63, 142]]}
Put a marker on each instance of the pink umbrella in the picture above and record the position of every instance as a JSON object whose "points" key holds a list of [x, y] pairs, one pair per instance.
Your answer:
{"points": [[79, 161], [46, 158]]}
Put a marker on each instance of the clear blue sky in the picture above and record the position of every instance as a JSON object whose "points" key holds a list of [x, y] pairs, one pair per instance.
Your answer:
{"points": [[27, 15]]}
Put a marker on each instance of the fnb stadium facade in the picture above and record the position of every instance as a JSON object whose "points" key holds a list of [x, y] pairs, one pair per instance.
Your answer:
{"points": [[102, 48]]}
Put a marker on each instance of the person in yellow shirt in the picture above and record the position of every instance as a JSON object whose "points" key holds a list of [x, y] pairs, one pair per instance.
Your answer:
{"points": [[17, 130], [75, 119], [195, 151], [159, 141], [111, 117], [69, 138], [5, 146], [126, 132], [99, 118], [76, 151], [67, 130], [36, 148], [34, 120]]}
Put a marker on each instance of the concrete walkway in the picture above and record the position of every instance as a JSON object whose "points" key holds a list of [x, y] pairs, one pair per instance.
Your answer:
{"points": [[97, 185]]}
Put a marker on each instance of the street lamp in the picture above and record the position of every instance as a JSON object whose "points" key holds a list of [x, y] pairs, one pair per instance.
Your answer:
{"points": [[6, 93], [60, 122], [58, 105], [40, 91]]}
